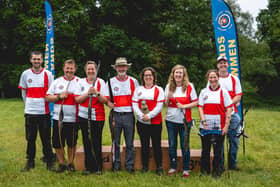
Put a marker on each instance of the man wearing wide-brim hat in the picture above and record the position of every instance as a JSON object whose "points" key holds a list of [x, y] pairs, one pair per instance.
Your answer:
{"points": [[121, 61], [122, 88]]}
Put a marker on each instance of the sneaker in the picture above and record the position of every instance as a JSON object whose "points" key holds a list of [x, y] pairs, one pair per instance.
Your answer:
{"points": [[29, 165], [61, 168], [171, 171], [144, 169], [186, 174], [98, 172], [71, 168]]}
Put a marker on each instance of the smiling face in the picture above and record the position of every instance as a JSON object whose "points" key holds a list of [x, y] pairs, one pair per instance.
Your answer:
{"points": [[36, 61], [69, 70], [148, 78], [90, 71], [222, 65], [213, 79], [121, 70], [178, 76]]}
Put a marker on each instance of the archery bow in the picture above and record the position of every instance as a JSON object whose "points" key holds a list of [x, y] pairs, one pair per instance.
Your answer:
{"points": [[187, 127], [89, 115], [60, 119], [242, 130], [112, 124]]}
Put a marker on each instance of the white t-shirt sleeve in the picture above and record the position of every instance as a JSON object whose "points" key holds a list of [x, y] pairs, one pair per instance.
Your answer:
{"points": [[200, 99], [238, 88], [51, 90], [22, 81], [193, 93], [227, 99]]}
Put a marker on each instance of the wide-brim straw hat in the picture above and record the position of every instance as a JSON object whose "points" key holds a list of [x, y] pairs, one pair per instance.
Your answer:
{"points": [[121, 61]]}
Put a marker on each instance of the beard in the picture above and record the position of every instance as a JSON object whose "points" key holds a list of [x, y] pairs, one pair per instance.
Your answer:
{"points": [[121, 73]]}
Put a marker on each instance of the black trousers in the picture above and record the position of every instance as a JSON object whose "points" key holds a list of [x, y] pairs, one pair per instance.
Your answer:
{"points": [[92, 146], [217, 141], [33, 123], [146, 132]]}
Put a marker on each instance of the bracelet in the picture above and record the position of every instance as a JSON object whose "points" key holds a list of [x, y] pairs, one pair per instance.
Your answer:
{"points": [[98, 94], [202, 121]]}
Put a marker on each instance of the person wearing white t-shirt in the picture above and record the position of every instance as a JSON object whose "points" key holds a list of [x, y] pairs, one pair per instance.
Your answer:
{"points": [[123, 87], [232, 84], [34, 83], [92, 142], [215, 107], [148, 101], [180, 97], [64, 92]]}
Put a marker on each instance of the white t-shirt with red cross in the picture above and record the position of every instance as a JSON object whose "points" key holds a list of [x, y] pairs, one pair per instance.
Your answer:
{"points": [[70, 108], [36, 86], [175, 114], [232, 84], [154, 98], [122, 93], [214, 104], [97, 109]]}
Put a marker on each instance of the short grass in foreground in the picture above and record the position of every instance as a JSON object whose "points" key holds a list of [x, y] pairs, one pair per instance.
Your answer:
{"points": [[260, 166]]}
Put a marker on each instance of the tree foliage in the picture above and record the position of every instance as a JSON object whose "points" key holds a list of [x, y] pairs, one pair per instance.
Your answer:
{"points": [[157, 33]]}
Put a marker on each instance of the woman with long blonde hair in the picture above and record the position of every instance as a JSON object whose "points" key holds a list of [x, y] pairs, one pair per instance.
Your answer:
{"points": [[180, 97]]}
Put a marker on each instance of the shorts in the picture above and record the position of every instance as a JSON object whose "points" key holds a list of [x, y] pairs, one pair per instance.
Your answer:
{"points": [[69, 133]]}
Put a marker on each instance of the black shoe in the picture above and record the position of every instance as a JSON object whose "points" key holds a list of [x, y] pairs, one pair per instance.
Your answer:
{"points": [[29, 165], [235, 168], [50, 166], [130, 170], [116, 169], [61, 168], [71, 168], [144, 169], [216, 175], [159, 171]]}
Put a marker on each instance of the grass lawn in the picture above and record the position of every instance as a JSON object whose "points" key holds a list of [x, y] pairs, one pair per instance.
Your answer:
{"points": [[260, 166]]}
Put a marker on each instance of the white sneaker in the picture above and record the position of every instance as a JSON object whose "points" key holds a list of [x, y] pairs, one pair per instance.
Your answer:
{"points": [[186, 173], [171, 171]]}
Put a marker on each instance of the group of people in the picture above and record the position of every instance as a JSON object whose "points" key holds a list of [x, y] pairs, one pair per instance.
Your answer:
{"points": [[79, 104]]}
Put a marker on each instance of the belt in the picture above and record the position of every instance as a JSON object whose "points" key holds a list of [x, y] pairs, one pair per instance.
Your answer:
{"points": [[122, 113]]}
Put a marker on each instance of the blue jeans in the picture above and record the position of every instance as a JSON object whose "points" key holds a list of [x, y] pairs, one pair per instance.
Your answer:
{"points": [[173, 130], [124, 121], [233, 141]]}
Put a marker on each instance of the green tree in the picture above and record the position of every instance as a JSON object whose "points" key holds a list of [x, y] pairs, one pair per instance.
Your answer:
{"points": [[269, 31]]}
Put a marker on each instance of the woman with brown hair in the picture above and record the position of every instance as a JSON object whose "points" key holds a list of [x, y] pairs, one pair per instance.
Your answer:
{"points": [[180, 97], [215, 107], [147, 104]]}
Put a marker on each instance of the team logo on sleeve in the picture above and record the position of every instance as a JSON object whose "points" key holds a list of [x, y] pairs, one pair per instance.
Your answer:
{"points": [[30, 80], [83, 88], [61, 87], [205, 98], [140, 93]]}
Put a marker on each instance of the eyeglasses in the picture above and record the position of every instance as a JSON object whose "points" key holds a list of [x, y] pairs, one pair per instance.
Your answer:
{"points": [[148, 75], [36, 58]]}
